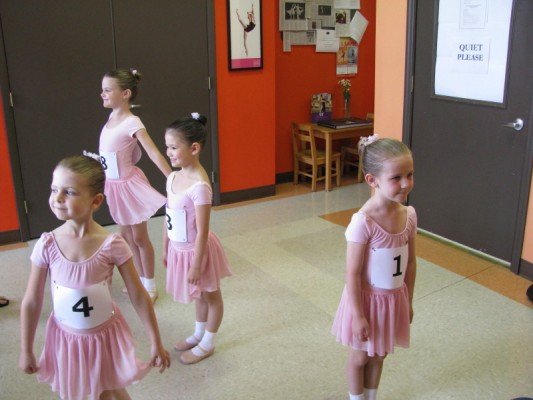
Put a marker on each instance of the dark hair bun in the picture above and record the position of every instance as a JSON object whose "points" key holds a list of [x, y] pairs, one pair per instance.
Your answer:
{"points": [[203, 120], [199, 117], [136, 74]]}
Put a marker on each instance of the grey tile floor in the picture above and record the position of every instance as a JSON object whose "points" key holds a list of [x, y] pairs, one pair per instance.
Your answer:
{"points": [[468, 342]]}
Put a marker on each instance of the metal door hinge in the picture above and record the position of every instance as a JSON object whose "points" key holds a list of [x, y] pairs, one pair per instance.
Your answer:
{"points": [[412, 84], [11, 99], [26, 207], [212, 176], [208, 83]]}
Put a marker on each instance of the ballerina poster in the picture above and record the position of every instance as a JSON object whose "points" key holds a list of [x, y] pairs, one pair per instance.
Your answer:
{"points": [[245, 49]]}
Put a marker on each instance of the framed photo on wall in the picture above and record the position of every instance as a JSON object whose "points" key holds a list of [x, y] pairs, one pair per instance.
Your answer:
{"points": [[245, 46]]}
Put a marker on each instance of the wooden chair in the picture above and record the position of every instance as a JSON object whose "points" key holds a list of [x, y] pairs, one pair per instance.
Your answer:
{"points": [[350, 156], [308, 159]]}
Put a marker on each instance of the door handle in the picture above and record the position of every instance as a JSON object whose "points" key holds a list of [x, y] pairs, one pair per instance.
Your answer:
{"points": [[517, 124]]}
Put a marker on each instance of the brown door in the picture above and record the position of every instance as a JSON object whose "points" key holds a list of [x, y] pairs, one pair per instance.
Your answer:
{"points": [[472, 173], [55, 55]]}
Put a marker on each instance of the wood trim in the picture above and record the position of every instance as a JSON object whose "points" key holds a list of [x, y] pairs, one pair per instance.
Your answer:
{"points": [[525, 269], [248, 194], [284, 177], [8, 237]]}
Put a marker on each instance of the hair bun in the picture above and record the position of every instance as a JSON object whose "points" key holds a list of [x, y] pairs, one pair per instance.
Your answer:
{"points": [[199, 117], [136, 74]]}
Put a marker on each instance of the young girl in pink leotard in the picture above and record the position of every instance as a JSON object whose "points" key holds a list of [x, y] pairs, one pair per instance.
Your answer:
{"points": [[89, 350], [131, 199], [193, 255], [376, 307]]}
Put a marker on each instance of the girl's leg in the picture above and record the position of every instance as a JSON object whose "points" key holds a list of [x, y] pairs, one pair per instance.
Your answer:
{"points": [[357, 361], [127, 234], [145, 248], [372, 374], [215, 312], [201, 308], [240, 20], [119, 394], [147, 257], [245, 44]]}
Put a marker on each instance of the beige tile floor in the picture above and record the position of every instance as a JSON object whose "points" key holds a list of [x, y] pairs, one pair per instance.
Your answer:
{"points": [[471, 337]]}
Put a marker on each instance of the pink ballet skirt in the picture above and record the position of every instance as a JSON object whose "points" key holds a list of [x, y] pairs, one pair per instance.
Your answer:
{"points": [[214, 267], [82, 365], [132, 200], [387, 313]]}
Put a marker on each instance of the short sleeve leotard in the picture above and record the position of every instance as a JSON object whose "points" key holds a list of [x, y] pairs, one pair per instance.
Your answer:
{"points": [[130, 197], [180, 254], [82, 363], [386, 309]]}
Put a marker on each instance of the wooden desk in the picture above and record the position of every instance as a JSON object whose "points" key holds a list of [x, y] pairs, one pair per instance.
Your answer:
{"points": [[330, 134]]}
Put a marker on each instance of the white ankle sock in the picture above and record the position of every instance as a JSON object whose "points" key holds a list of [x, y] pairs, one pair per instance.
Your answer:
{"points": [[370, 394], [149, 284], [199, 329], [207, 343], [357, 396]]}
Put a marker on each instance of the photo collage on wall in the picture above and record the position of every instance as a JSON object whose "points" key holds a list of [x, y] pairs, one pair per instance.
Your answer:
{"points": [[332, 26]]}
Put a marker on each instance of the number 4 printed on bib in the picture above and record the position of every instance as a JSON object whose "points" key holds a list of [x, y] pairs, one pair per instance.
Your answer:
{"points": [[82, 308]]}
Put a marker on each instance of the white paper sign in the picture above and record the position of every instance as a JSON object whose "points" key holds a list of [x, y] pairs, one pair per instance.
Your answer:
{"points": [[326, 41], [471, 55], [109, 162], [82, 308], [388, 266], [358, 27], [472, 47], [177, 225]]}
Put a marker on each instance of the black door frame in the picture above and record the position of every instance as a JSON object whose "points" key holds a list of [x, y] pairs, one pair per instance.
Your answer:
{"points": [[13, 143], [518, 266]]}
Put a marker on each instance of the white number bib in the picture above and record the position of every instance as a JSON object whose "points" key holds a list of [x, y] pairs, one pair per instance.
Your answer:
{"points": [[177, 225], [82, 308], [109, 162], [387, 267]]}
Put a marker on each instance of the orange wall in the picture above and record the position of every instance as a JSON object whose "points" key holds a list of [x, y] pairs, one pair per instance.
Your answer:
{"points": [[246, 110], [303, 72], [8, 209]]}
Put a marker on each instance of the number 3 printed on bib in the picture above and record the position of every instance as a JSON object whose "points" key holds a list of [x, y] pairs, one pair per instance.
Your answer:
{"points": [[108, 159], [387, 267], [176, 225]]}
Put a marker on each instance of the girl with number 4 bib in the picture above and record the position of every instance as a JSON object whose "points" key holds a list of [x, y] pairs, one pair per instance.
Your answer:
{"points": [[89, 349], [376, 307], [131, 199], [193, 255]]}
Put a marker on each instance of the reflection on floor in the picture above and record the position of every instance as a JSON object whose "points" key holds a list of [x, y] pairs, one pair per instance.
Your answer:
{"points": [[471, 337]]}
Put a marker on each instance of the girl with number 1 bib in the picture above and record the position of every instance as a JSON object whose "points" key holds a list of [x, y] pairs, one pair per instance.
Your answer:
{"points": [[376, 307], [131, 199], [89, 350]]}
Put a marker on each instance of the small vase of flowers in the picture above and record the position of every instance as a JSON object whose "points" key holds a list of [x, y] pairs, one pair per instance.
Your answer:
{"points": [[346, 84]]}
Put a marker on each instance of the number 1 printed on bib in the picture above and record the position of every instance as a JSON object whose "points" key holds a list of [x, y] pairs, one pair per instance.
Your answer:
{"points": [[388, 266]]}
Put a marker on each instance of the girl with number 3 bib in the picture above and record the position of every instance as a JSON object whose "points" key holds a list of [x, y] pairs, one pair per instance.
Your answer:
{"points": [[89, 350], [131, 199], [193, 255], [376, 307]]}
